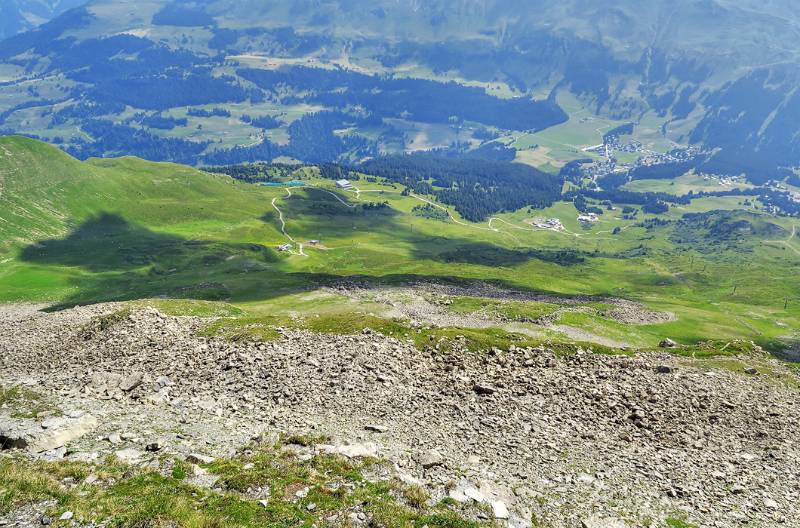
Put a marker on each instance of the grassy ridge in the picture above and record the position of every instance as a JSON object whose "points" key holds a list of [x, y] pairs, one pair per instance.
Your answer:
{"points": [[123, 229]]}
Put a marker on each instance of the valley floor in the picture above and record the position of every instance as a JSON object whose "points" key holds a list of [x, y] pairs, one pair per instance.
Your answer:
{"points": [[558, 439]]}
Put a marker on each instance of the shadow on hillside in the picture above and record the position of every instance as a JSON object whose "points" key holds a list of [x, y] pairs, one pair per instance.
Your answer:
{"points": [[128, 261], [108, 242], [323, 211], [484, 254], [124, 261]]}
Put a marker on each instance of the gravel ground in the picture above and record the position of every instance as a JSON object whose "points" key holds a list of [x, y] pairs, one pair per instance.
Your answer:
{"points": [[586, 440], [427, 304]]}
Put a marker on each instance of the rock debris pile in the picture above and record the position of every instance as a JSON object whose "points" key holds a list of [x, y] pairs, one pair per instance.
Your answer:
{"points": [[570, 441]]}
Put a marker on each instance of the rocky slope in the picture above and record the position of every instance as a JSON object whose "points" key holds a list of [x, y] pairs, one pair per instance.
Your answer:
{"points": [[564, 440]]}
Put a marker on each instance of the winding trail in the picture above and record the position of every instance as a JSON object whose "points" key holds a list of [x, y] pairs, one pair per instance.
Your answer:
{"points": [[300, 251], [488, 228], [788, 241], [351, 206], [450, 215]]}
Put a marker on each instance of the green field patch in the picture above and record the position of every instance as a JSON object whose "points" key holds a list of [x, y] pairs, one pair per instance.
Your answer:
{"points": [[191, 308], [748, 367], [603, 327], [293, 492], [442, 339], [124, 229], [687, 183], [25, 403], [520, 311], [259, 329], [677, 523]]}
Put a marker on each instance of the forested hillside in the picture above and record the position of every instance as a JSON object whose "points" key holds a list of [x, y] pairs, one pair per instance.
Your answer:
{"points": [[476, 188], [225, 83]]}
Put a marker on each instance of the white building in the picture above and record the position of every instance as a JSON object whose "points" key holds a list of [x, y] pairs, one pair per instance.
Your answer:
{"points": [[344, 184], [554, 223]]}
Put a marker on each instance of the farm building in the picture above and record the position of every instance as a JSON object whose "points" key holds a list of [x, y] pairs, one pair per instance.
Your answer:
{"points": [[551, 223], [344, 184]]}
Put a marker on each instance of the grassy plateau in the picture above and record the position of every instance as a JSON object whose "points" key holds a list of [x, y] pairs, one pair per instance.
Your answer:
{"points": [[124, 229]]}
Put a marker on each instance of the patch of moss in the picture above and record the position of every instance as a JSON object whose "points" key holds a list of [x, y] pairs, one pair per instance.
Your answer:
{"points": [[25, 403], [103, 322], [297, 493], [677, 523], [191, 308], [518, 311]]}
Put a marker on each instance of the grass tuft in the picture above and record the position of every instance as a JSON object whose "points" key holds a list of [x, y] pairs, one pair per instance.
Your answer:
{"points": [[25, 403], [302, 493]]}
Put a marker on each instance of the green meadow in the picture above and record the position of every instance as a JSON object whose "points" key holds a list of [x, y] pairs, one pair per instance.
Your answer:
{"points": [[168, 495], [124, 229]]}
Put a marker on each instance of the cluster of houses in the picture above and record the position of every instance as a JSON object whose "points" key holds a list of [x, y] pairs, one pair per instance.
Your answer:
{"points": [[551, 223], [721, 180], [610, 164], [288, 247], [675, 155], [588, 218]]}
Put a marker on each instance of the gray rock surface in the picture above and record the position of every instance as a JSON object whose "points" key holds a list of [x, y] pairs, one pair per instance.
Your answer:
{"points": [[569, 439]]}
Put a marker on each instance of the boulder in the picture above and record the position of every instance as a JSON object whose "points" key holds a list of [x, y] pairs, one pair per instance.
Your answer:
{"points": [[376, 428], [197, 458], [130, 456], [500, 510], [366, 450], [431, 459], [131, 382], [484, 389], [69, 430]]}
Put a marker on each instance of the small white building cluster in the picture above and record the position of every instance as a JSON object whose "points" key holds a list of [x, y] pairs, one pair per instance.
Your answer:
{"points": [[551, 223], [588, 218], [721, 180], [344, 184]]}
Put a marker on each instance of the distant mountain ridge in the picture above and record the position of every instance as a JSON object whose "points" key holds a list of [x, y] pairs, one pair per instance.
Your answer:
{"points": [[726, 86], [17, 16]]}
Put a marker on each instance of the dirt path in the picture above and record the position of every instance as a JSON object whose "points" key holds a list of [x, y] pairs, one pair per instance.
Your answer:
{"points": [[350, 206], [788, 241], [300, 251], [489, 226]]}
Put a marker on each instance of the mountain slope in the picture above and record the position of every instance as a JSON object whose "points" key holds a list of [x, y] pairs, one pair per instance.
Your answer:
{"points": [[119, 229], [45, 192], [17, 16], [192, 81]]}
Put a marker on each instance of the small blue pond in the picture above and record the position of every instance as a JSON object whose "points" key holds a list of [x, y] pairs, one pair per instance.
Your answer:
{"points": [[284, 184]]}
